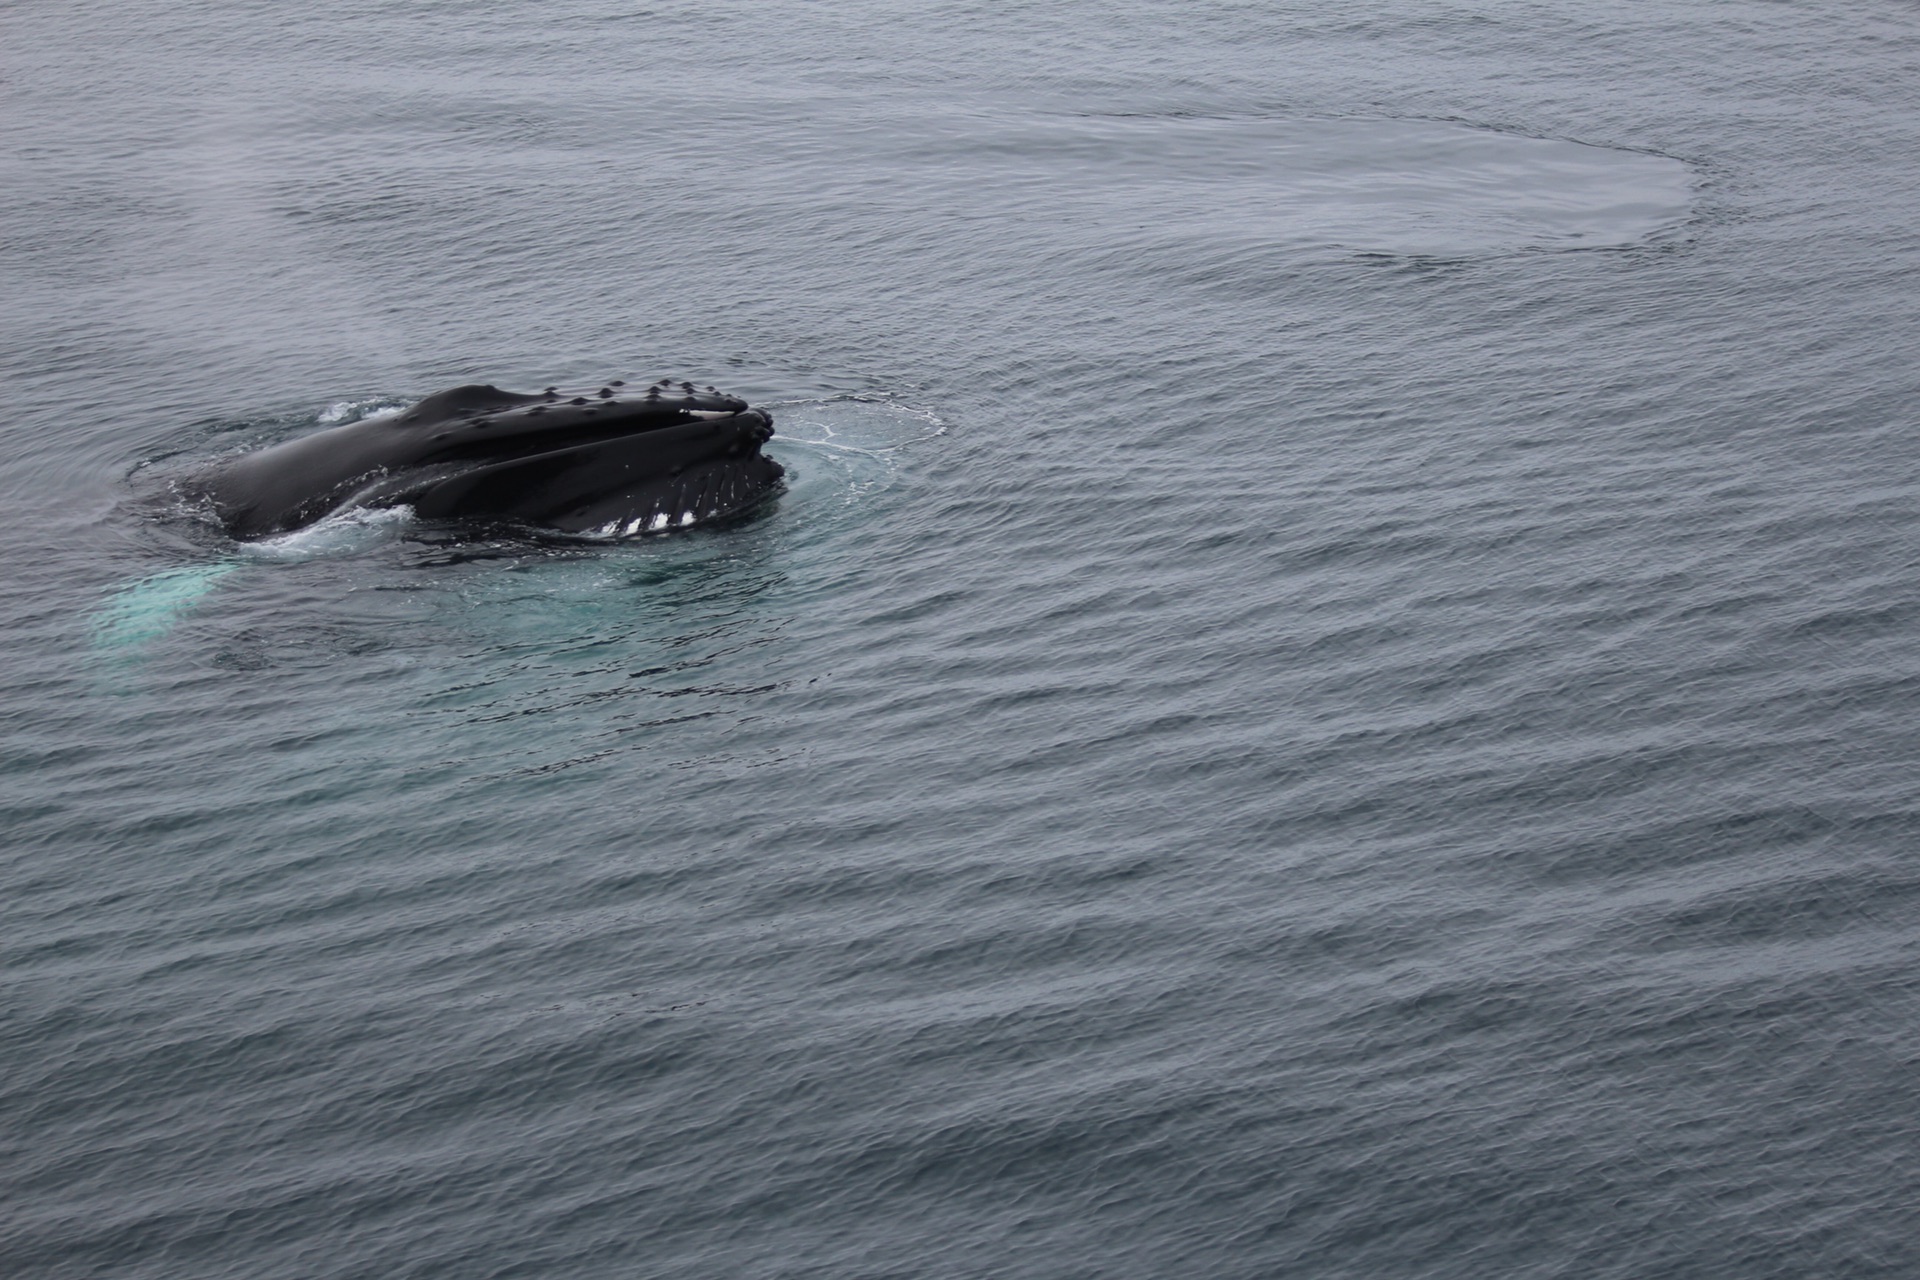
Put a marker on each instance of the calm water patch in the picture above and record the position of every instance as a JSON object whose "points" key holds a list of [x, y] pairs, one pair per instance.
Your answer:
{"points": [[1181, 184]]}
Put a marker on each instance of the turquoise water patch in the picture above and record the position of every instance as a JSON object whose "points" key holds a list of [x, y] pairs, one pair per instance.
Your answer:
{"points": [[144, 611]]}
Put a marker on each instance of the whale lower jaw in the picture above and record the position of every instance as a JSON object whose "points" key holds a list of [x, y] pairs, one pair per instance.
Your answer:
{"points": [[702, 494], [696, 493]]}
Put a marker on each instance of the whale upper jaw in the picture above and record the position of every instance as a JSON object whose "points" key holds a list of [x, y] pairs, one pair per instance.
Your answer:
{"points": [[609, 459], [484, 422]]}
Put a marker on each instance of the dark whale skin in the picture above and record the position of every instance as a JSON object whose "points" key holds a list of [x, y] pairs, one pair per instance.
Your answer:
{"points": [[610, 461]]}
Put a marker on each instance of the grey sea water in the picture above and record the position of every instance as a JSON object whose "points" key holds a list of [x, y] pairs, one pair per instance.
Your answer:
{"points": [[1333, 693]]}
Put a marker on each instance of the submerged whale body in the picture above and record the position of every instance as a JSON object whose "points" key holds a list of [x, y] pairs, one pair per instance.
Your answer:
{"points": [[612, 461]]}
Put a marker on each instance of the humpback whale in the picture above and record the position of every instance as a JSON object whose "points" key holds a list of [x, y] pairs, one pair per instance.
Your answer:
{"points": [[610, 460]]}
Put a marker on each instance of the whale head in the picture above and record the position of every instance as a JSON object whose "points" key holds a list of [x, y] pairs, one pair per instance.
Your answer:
{"points": [[612, 459]]}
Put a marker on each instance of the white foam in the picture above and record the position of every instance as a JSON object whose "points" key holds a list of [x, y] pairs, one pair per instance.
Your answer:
{"points": [[344, 411], [346, 531]]}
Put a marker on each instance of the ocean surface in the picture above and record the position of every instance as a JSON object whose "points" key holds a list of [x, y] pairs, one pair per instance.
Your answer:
{"points": [[1334, 690]]}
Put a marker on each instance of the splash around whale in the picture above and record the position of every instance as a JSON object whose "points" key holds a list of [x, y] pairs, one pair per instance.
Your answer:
{"points": [[608, 461]]}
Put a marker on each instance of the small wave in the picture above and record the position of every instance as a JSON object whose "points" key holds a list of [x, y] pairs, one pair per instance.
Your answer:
{"points": [[847, 447], [857, 423]]}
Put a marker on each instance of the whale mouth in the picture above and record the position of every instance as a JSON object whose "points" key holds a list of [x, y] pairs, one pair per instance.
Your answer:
{"points": [[613, 460], [631, 476]]}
